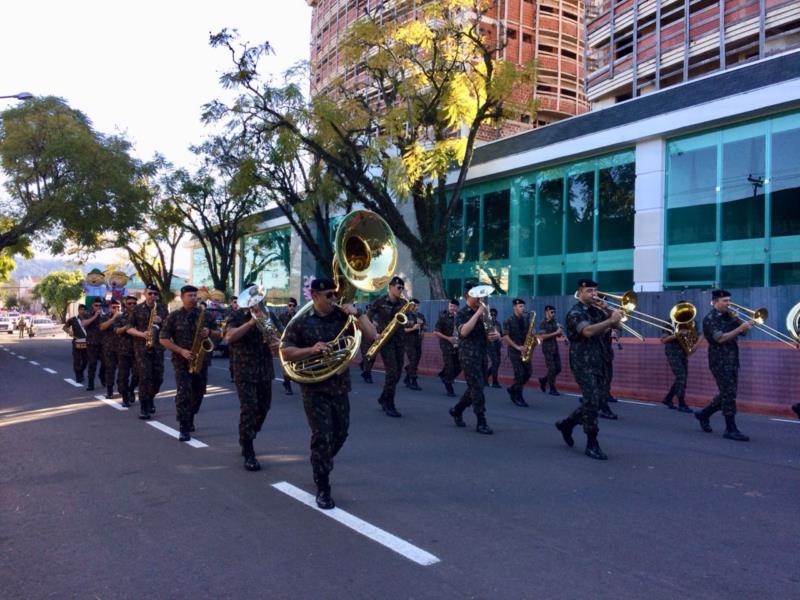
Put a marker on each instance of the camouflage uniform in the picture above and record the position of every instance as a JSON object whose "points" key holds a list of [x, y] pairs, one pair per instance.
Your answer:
{"points": [[124, 344], [180, 327], [78, 354], [723, 361], [413, 343], [382, 312], [472, 354], [109, 353], [495, 358], [587, 362], [326, 403], [149, 363], [253, 373], [452, 366], [679, 364], [94, 350], [552, 357], [516, 328]]}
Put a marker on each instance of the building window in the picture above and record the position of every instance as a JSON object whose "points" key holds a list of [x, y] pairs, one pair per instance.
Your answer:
{"points": [[496, 225], [527, 38], [512, 34], [580, 212], [265, 260], [616, 200]]}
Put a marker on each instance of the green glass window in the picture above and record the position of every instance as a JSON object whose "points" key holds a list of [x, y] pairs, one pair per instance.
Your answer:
{"points": [[527, 215], [201, 274], [496, 225], [580, 215], [572, 280], [616, 207], [785, 273], [525, 285], [454, 287], [743, 172], [549, 284], [550, 216], [472, 229], [785, 182], [703, 276], [266, 260], [455, 235], [615, 281], [742, 276], [691, 199]]}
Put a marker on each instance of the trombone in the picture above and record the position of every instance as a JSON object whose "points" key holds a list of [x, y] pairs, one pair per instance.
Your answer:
{"points": [[758, 316], [622, 324], [627, 304]]}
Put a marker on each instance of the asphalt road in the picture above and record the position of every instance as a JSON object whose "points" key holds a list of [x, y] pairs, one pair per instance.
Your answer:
{"points": [[97, 504]]}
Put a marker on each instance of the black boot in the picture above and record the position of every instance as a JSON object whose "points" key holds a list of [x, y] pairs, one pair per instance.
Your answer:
{"points": [[667, 401], [457, 418], [565, 427], [796, 409], [191, 425], [703, 417], [184, 432], [482, 426], [109, 392], [512, 393], [366, 377], [414, 385], [451, 393], [554, 391], [607, 413], [78, 377], [390, 410], [543, 383], [287, 387], [682, 407], [593, 448], [90, 385], [407, 380], [144, 410], [249, 454], [520, 399], [125, 401], [731, 431], [496, 384], [324, 500]]}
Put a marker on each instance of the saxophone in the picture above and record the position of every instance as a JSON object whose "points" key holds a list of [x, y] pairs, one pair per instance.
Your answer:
{"points": [[399, 318], [200, 347], [531, 341], [152, 327]]}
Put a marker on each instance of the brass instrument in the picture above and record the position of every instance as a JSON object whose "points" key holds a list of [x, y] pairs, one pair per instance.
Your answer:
{"points": [[200, 347], [531, 339], [152, 328], [682, 316], [793, 322], [479, 292], [622, 301], [399, 319], [365, 257], [253, 300], [758, 315]]}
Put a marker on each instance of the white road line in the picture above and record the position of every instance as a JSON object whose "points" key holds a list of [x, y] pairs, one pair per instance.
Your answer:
{"points": [[194, 443], [573, 395], [33, 362], [19, 356], [51, 371], [13, 353], [635, 402], [111, 403], [384, 538], [73, 383], [6, 349], [793, 421]]}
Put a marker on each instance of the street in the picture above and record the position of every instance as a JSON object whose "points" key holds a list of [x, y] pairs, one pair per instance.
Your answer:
{"points": [[95, 503]]}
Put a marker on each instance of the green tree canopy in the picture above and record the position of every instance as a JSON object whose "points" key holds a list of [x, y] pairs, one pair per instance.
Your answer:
{"points": [[66, 182], [58, 289]]}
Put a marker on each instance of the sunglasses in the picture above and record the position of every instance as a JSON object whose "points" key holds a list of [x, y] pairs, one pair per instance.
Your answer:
{"points": [[152, 293], [330, 295], [291, 305]]}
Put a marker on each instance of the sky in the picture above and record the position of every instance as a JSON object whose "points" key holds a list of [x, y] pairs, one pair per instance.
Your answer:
{"points": [[141, 68]]}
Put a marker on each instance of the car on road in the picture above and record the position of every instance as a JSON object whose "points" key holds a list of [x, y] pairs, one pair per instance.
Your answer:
{"points": [[42, 326], [6, 324]]}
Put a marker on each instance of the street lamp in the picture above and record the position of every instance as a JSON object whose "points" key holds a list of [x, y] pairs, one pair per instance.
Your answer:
{"points": [[20, 96]]}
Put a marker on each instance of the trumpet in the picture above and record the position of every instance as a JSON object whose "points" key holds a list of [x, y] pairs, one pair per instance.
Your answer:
{"points": [[758, 316]]}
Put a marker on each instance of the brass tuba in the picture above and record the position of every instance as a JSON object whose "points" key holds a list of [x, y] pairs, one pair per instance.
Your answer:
{"points": [[682, 316], [365, 258]]}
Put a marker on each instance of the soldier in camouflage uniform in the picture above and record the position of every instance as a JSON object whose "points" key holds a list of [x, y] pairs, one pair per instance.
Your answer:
{"points": [[383, 311], [286, 316], [721, 327], [149, 362], [549, 332], [107, 324], [608, 374], [472, 353], [94, 343], [326, 403], [253, 373], [412, 339], [679, 364], [495, 349], [74, 328], [515, 330], [124, 344], [177, 336], [445, 330], [587, 323]]}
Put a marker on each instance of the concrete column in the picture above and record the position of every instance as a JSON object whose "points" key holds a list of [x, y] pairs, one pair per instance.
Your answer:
{"points": [[648, 236]]}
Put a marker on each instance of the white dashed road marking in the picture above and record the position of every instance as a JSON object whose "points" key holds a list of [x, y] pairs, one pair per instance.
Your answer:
{"points": [[19, 356], [793, 421], [384, 538], [33, 362], [111, 403], [194, 443], [74, 383], [51, 371], [650, 404]]}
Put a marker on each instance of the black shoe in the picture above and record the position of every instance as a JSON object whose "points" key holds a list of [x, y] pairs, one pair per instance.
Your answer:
{"points": [[566, 432], [796, 409], [126, 404], [482, 427], [684, 409], [704, 422], [668, 403], [457, 418], [413, 385], [366, 377], [521, 400], [451, 393], [382, 403], [612, 399], [287, 388], [324, 500], [109, 393], [184, 436], [144, 414], [250, 463], [90, 386], [78, 378], [496, 384], [593, 451], [391, 411], [512, 393], [543, 383], [732, 432], [554, 392], [608, 414]]}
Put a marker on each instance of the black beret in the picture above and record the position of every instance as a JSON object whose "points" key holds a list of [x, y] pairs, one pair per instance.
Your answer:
{"points": [[516, 301], [549, 307], [114, 301], [492, 311], [97, 300], [414, 300], [396, 281], [131, 298], [293, 301], [454, 301], [582, 283], [152, 287], [717, 294], [323, 284], [83, 306], [188, 288], [234, 298]]}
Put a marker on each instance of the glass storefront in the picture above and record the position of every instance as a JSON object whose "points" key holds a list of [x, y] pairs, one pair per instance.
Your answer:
{"points": [[201, 276], [733, 206], [266, 261]]}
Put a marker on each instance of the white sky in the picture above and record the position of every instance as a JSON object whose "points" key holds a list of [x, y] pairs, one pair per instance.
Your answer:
{"points": [[141, 68]]}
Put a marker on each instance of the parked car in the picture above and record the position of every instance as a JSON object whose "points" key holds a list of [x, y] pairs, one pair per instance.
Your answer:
{"points": [[42, 326], [6, 324]]}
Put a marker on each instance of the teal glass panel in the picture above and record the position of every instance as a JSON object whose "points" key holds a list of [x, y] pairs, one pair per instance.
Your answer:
{"points": [[472, 229], [785, 273], [615, 281], [201, 274], [740, 276], [574, 276], [580, 215], [455, 235], [266, 260], [743, 171], [525, 285], [496, 207], [702, 275], [785, 183], [454, 287], [549, 284], [616, 207], [691, 197], [550, 216], [527, 229]]}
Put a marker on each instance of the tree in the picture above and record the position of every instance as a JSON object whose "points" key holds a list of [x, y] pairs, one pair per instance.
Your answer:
{"points": [[57, 290], [9, 299], [66, 182], [275, 248], [20, 247], [395, 131]]}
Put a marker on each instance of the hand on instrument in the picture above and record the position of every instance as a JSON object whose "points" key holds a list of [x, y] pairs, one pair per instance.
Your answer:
{"points": [[349, 309], [746, 326], [187, 354], [274, 346], [616, 316], [481, 310], [319, 347], [493, 336], [452, 339]]}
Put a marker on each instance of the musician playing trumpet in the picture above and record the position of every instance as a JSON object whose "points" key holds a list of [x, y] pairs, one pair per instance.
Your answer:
{"points": [[721, 326], [587, 322], [178, 336], [326, 403]]}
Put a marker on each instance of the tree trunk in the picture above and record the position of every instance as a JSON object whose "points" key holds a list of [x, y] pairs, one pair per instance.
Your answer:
{"points": [[436, 282]]}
